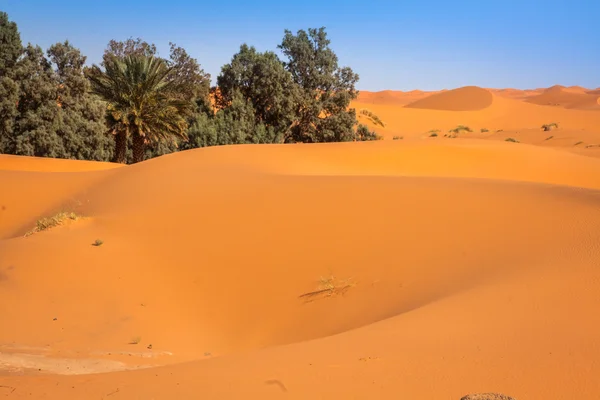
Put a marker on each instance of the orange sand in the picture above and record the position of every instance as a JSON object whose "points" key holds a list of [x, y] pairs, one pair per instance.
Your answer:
{"points": [[451, 266]]}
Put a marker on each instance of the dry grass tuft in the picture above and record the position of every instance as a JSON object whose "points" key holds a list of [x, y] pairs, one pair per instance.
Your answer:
{"points": [[549, 127], [329, 286], [51, 222]]}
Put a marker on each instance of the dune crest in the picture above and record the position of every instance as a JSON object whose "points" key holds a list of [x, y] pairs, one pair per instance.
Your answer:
{"points": [[573, 98], [468, 98]]}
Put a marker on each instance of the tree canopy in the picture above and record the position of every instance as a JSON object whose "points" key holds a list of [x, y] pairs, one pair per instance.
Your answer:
{"points": [[136, 104]]}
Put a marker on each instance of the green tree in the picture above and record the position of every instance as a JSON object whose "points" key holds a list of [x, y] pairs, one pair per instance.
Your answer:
{"points": [[185, 73], [142, 101], [326, 90], [36, 126], [11, 50], [81, 125], [261, 80]]}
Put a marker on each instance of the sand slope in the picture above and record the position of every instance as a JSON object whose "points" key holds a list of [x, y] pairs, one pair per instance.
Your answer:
{"points": [[469, 98], [471, 266], [574, 97], [504, 117]]}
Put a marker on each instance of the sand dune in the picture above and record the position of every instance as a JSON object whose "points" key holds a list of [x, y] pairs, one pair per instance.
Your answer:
{"points": [[576, 98], [423, 267], [460, 266], [469, 98], [505, 117]]}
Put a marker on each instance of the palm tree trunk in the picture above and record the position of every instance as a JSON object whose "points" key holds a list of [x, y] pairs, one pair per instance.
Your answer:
{"points": [[120, 154], [139, 148]]}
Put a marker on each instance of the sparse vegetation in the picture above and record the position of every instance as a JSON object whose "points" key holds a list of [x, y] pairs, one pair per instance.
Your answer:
{"points": [[549, 127], [460, 128], [98, 243], [329, 286], [372, 116], [51, 222], [135, 340], [592, 145], [433, 134], [549, 137], [578, 143], [500, 130], [484, 130], [513, 140], [398, 137]]}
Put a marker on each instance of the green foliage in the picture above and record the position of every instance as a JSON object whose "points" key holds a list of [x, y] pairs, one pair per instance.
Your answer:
{"points": [[142, 101], [372, 117], [363, 134], [188, 81], [10, 51], [45, 107], [261, 80], [236, 124], [325, 89]]}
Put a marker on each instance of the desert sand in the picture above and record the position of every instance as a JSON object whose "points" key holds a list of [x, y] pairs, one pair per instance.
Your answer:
{"points": [[417, 268]]}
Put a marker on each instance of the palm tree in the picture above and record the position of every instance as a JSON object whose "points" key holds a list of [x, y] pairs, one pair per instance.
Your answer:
{"points": [[142, 102]]}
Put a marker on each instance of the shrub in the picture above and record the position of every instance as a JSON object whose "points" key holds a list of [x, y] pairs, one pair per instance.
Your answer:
{"points": [[549, 127], [371, 116], [511, 140], [50, 222], [98, 243], [363, 134], [433, 134], [459, 129], [484, 130]]}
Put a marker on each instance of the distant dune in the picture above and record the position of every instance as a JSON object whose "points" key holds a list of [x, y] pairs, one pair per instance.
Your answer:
{"points": [[470, 98], [575, 98]]}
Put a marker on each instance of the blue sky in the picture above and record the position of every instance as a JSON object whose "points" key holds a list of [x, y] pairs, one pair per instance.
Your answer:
{"points": [[398, 45]]}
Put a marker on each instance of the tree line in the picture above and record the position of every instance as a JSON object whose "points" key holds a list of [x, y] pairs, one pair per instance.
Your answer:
{"points": [[137, 105]]}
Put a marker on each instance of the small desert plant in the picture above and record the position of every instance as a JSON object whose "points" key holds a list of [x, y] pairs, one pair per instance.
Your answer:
{"points": [[433, 134], [329, 286], [135, 340], [549, 137], [578, 143], [398, 137], [459, 129], [371, 116], [511, 140], [484, 130], [50, 222], [98, 243], [500, 130], [549, 127]]}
